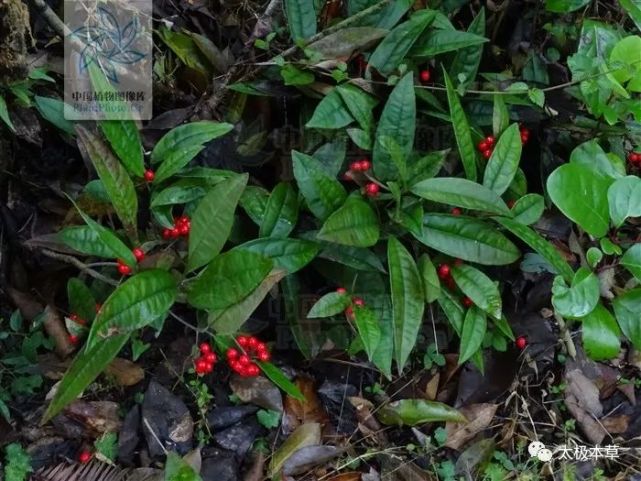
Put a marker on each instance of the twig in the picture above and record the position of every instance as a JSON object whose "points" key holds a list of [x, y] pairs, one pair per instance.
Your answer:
{"points": [[155, 436], [80, 265], [50, 16]]}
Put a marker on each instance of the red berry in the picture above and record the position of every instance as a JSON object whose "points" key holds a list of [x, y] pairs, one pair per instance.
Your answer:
{"points": [[149, 175], [456, 211], [201, 366], [204, 348], [209, 366], [123, 268], [510, 203], [490, 140], [449, 282], [244, 360], [634, 157], [425, 76], [252, 370], [84, 456], [355, 167], [467, 302], [521, 342], [73, 316], [73, 339], [263, 355], [232, 354], [486, 154], [365, 165], [166, 234], [341, 290], [349, 311], [243, 341], [174, 233], [252, 343], [138, 253], [182, 220], [358, 302], [444, 271], [482, 146], [210, 357], [183, 229], [372, 189]]}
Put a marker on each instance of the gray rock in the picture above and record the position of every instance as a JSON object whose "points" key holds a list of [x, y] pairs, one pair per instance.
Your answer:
{"points": [[128, 437], [239, 437], [219, 465], [223, 417]]}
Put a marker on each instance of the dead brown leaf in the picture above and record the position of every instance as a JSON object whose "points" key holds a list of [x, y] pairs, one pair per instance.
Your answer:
{"points": [[308, 411], [348, 476], [582, 400], [55, 327], [125, 372], [616, 424], [480, 416]]}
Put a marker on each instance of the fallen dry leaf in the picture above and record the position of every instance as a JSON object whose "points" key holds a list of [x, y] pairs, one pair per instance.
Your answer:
{"points": [[125, 372], [582, 400], [348, 476], [479, 415], [308, 411], [616, 424]]}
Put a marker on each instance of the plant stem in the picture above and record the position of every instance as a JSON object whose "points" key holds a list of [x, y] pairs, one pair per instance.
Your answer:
{"points": [[80, 265], [565, 334]]}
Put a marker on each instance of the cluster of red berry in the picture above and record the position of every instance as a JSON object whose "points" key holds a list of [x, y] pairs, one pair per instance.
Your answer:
{"points": [[205, 363], [486, 146], [149, 175], [73, 339], [425, 76], [240, 361], [525, 134], [371, 189], [84, 456], [182, 226], [356, 301], [635, 158], [123, 268]]}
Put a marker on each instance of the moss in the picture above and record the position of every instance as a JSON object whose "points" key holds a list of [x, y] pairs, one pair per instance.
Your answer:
{"points": [[14, 32]]}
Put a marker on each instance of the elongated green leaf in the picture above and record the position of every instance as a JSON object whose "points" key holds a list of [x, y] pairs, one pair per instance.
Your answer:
{"points": [[230, 319], [330, 113], [540, 245], [392, 50], [580, 298], [582, 195], [4, 114], [254, 202], [413, 412], [301, 18], [357, 258], [289, 254], [461, 193], [277, 376], [504, 163], [86, 367], [631, 260], [181, 144], [329, 305], [453, 310], [407, 300], [385, 17], [91, 241], [500, 115], [467, 60], [307, 434], [114, 178], [479, 288], [354, 224], [431, 284], [627, 308], [182, 192], [281, 212], [53, 110], [360, 104], [134, 304], [398, 121], [212, 222], [368, 329], [322, 193], [624, 199], [435, 42], [467, 238], [344, 42], [472, 334], [600, 334], [461, 130], [81, 300], [228, 279], [528, 209]]}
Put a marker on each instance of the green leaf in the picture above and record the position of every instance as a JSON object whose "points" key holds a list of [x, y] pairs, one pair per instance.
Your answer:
{"points": [[500, 115], [330, 305], [323, 194], [627, 308], [230, 319], [90, 241], [276, 376], [186, 49], [228, 279], [528, 209], [461, 130], [81, 300], [330, 113], [281, 212], [590, 155], [294, 76], [301, 18], [212, 221], [467, 238], [580, 298], [85, 368], [177, 469], [479, 288], [354, 224], [386, 17], [344, 42], [114, 178], [600, 334], [136, 303], [631, 260], [413, 412], [453, 310], [435, 42], [504, 162], [408, 301], [582, 195], [360, 104], [624, 199], [565, 6], [181, 192], [288, 254], [181, 144], [368, 329], [609, 247], [472, 334], [398, 121], [357, 258], [4, 114], [537, 97], [53, 110], [269, 419], [593, 256], [431, 284], [392, 50], [467, 60], [633, 8], [308, 434], [254, 201], [540, 245], [461, 193]]}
